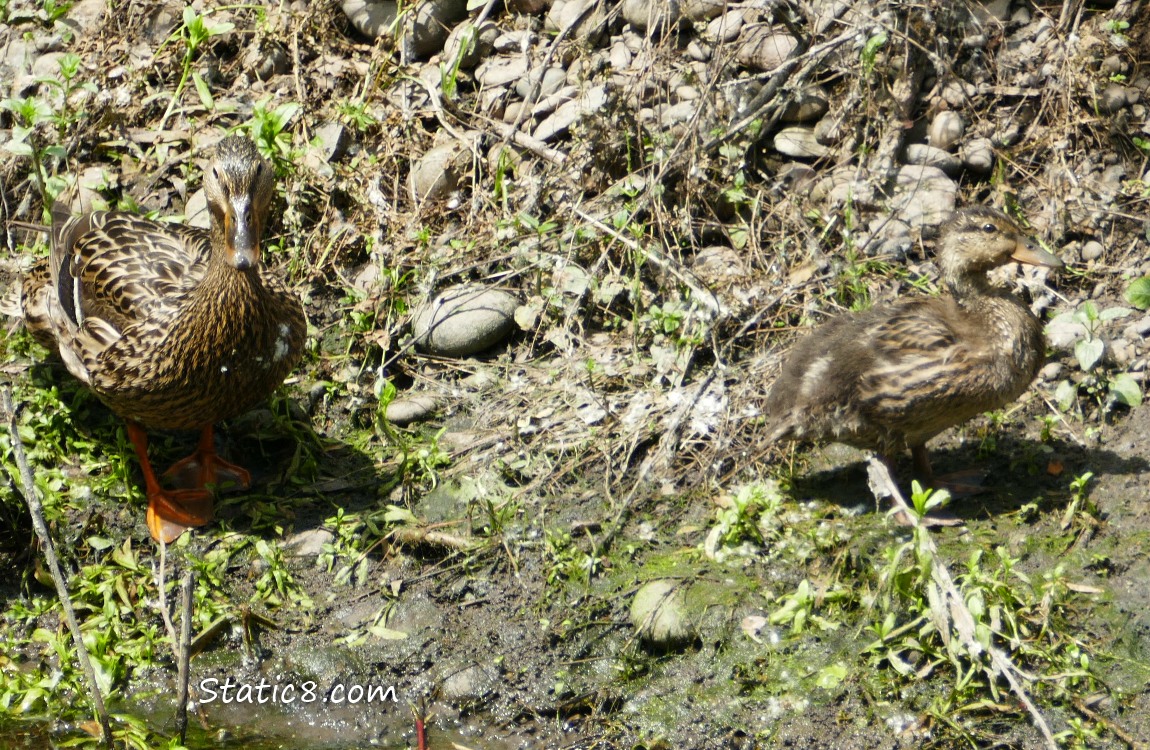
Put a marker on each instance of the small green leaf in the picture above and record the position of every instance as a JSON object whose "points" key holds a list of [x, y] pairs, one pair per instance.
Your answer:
{"points": [[1138, 293], [19, 148], [1113, 313], [1126, 390], [205, 94], [99, 542], [831, 675], [386, 634], [1088, 352]]}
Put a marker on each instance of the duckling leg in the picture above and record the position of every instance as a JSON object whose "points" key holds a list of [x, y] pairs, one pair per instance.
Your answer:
{"points": [[170, 512], [205, 466], [922, 469], [962, 483], [921, 460]]}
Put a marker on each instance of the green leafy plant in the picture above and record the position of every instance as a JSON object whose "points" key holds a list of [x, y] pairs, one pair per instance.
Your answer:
{"points": [[924, 500], [195, 31], [268, 128], [799, 608], [750, 516], [566, 561], [1018, 613], [29, 113], [1106, 386], [869, 54], [51, 11], [1117, 29], [276, 586], [67, 84], [449, 69]]}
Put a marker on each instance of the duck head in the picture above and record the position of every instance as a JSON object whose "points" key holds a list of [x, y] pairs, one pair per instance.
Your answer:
{"points": [[238, 187]]}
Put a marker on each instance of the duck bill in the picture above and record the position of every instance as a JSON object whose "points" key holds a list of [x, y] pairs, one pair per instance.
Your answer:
{"points": [[1035, 256], [243, 237]]}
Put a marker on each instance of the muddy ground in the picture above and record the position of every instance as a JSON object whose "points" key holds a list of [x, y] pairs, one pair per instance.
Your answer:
{"points": [[688, 186]]}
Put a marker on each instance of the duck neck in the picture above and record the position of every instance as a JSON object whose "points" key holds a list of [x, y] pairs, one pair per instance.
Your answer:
{"points": [[225, 288], [968, 288], [224, 279]]}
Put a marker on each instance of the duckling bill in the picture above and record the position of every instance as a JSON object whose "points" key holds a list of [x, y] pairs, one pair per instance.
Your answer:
{"points": [[894, 376], [173, 327]]}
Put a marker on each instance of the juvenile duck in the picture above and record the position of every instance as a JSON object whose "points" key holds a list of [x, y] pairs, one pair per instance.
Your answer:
{"points": [[893, 377], [172, 327]]}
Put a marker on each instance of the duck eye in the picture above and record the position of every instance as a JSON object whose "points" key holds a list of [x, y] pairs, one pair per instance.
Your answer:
{"points": [[989, 228]]}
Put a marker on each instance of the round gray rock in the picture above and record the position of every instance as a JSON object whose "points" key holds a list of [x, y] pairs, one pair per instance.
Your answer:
{"points": [[808, 105], [371, 17], [764, 49], [658, 614], [404, 411], [464, 320], [920, 153], [978, 155], [800, 142], [654, 17], [438, 171], [945, 129]]}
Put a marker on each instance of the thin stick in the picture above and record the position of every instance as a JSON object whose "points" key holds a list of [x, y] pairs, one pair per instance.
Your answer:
{"points": [[184, 651], [951, 614], [36, 508]]}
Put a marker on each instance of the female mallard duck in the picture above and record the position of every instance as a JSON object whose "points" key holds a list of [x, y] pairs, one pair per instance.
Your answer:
{"points": [[173, 327], [893, 377]]}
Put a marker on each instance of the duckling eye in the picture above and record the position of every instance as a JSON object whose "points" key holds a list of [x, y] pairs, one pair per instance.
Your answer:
{"points": [[989, 228]]}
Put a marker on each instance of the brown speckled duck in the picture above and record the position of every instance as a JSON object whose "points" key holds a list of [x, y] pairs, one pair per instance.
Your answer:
{"points": [[893, 377], [173, 327]]}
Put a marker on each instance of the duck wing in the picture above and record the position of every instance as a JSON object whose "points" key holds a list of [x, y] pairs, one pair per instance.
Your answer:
{"points": [[122, 268], [920, 353], [110, 271]]}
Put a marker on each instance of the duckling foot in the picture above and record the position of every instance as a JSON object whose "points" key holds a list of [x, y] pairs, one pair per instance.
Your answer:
{"points": [[933, 519], [170, 512], [965, 483], [205, 467]]}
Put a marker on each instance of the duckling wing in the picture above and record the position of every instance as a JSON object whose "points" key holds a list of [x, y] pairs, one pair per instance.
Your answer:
{"points": [[858, 378], [929, 369]]}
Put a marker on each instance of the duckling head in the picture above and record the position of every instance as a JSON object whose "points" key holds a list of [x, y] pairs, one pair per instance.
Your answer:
{"points": [[978, 239], [238, 187]]}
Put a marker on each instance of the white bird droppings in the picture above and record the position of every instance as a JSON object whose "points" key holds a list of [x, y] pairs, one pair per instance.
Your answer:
{"points": [[281, 343]]}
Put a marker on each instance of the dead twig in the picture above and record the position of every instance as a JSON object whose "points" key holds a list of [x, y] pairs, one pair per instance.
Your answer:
{"points": [[183, 650], [36, 508], [410, 535], [951, 615], [1131, 742]]}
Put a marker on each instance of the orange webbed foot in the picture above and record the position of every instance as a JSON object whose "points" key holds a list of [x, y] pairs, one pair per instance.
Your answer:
{"points": [[172, 512], [201, 469]]}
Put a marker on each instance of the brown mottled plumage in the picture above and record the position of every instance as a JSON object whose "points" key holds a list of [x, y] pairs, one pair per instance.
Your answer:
{"points": [[893, 377], [172, 327]]}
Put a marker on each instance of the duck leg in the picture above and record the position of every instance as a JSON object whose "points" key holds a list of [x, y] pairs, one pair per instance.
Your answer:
{"points": [[205, 467], [170, 512]]}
